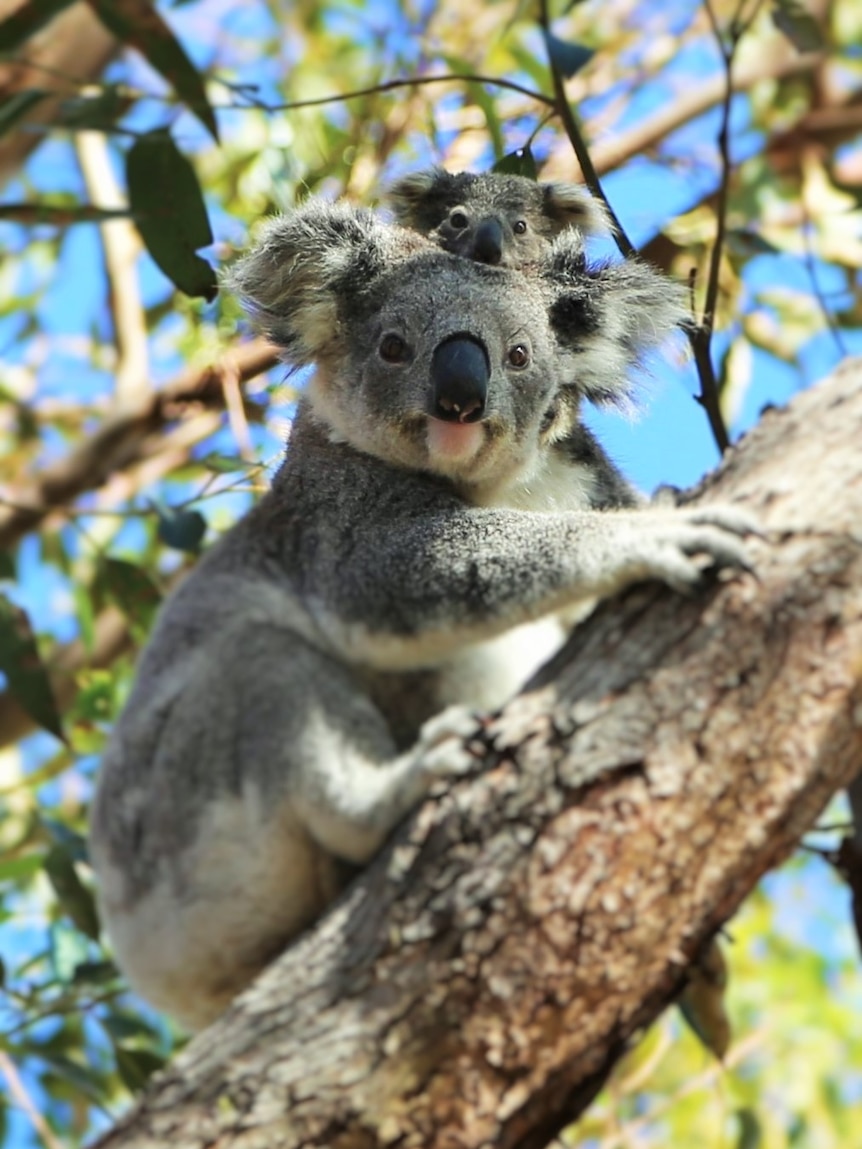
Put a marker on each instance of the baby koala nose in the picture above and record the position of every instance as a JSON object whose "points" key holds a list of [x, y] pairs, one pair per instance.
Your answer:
{"points": [[460, 371], [488, 244]]}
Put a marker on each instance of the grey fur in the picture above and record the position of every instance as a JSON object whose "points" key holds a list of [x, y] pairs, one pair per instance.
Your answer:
{"points": [[291, 706]]}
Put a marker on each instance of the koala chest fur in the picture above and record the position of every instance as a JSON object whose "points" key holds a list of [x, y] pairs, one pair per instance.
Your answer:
{"points": [[439, 510]]}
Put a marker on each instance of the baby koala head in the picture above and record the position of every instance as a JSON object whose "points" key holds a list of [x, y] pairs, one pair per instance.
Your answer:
{"points": [[501, 220], [441, 364]]}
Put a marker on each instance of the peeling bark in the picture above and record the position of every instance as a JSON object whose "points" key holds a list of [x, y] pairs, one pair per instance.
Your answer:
{"points": [[476, 984]]}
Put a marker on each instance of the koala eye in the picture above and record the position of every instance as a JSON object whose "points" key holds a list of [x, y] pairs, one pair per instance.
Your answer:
{"points": [[458, 219], [393, 349], [519, 356], [519, 226]]}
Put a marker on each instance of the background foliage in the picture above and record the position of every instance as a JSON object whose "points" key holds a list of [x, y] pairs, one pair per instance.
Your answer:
{"points": [[138, 145]]}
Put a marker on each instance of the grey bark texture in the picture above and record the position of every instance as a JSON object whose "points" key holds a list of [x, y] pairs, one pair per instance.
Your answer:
{"points": [[477, 983]]}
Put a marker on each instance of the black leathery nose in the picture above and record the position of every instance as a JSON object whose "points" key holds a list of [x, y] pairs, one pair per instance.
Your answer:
{"points": [[488, 244], [460, 372]]}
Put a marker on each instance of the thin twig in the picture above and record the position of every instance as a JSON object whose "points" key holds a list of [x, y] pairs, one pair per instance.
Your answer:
{"points": [[19, 1092], [573, 131], [408, 82]]}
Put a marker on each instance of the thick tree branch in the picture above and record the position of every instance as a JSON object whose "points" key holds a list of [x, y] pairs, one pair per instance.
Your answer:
{"points": [[477, 983]]}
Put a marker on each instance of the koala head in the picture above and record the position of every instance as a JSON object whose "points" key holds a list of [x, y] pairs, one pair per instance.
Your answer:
{"points": [[502, 220], [438, 363]]}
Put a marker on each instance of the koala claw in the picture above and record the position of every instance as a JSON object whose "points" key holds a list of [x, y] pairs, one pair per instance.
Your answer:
{"points": [[444, 742]]}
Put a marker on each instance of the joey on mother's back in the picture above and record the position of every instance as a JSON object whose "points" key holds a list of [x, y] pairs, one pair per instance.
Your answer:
{"points": [[414, 554]]}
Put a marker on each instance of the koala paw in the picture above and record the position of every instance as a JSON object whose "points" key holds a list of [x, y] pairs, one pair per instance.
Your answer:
{"points": [[444, 742], [691, 539]]}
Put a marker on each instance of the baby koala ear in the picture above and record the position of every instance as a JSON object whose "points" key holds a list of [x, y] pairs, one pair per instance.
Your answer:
{"points": [[305, 263], [571, 205], [608, 317]]}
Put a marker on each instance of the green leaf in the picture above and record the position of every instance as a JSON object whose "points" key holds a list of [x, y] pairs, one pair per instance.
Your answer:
{"points": [[21, 25], [20, 662], [131, 589], [78, 1076], [136, 1066], [14, 108], [137, 23], [68, 839], [798, 25], [567, 58], [749, 1129], [519, 163], [8, 573], [170, 214], [21, 869], [182, 530], [69, 948], [126, 1026], [94, 972], [76, 900]]}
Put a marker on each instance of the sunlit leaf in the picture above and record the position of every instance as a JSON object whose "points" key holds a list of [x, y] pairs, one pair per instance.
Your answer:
{"points": [[29, 18], [567, 58], [519, 163], [21, 869], [793, 19], [20, 662], [69, 948], [137, 23], [182, 530], [73, 895], [170, 214]]}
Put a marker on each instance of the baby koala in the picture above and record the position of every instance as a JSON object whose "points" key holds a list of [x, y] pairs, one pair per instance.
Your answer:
{"points": [[502, 220], [414, 554]]}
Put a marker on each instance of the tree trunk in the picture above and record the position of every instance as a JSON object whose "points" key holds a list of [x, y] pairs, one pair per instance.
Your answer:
{"points": [[477, 983]]}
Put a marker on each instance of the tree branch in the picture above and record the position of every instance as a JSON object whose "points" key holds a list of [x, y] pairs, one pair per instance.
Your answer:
{"points": [[122, 438], [477, 983]]}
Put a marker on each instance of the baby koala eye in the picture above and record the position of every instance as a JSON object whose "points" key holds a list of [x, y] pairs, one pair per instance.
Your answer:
{"points": [[393, 349], [519, 356], [519, 226], [458, 219]]}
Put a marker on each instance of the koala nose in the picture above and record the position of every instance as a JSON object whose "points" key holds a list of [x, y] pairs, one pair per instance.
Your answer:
{"points": [[460, 371], [488, 245]]}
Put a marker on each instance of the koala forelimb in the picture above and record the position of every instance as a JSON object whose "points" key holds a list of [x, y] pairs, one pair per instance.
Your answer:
{"points": [[413, 554]]}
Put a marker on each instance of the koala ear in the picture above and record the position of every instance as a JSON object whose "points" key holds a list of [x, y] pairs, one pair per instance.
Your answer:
{"points": [[406, 195], [304, 264], [608, 317], [570, 205]]}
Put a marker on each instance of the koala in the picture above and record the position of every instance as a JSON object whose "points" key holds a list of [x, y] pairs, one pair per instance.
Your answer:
{"points": [[315, 673], [502, 220], [512, 221]]}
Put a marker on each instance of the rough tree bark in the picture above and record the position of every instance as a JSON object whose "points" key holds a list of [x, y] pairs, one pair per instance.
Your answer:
{"points": [[476, 984]]}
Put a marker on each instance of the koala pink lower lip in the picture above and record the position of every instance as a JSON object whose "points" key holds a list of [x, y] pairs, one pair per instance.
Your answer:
{"points": [[454, 442]]}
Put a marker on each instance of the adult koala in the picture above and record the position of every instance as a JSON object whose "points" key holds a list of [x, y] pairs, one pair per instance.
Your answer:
{"points": [[416, 547]]}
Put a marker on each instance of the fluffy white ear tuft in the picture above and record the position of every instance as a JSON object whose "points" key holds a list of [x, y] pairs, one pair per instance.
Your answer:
{"points": [[304, 263]]}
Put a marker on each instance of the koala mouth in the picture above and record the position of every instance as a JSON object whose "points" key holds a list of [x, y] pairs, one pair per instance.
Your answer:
{"points": [[453, 443]]}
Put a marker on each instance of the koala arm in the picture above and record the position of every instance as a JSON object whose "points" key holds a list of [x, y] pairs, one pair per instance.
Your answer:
{"points": [[415, 593]]}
